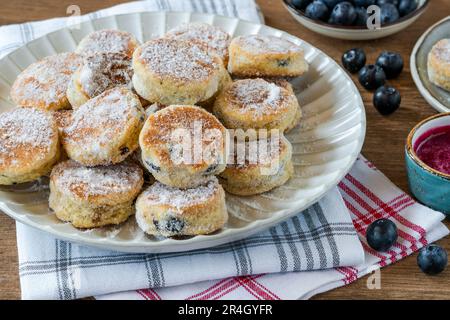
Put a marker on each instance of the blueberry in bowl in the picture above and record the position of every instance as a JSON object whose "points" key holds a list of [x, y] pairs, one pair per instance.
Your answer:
{"points": [[388, 13], [317, 10], [343, 14], [351, 19], [386, 100], [301, 4], [354, 59], [371, 77], [391, 62]]}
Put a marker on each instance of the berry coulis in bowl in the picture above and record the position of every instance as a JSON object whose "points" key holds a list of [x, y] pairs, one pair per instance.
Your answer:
{"points": [[433, 148], [428, 162]]}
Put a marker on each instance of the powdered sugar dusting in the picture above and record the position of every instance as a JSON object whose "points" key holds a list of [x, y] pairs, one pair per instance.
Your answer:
{"points": [[256, 95], [442, 50], [45, 81], [99, 120], [25, 129], [211, 37], [265, 44], [178, 59], [104, 71], [73, 178], [160, 194], [107, 40]]}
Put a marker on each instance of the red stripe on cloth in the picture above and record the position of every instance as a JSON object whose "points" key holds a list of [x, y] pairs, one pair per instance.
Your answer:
{"points": [[236, 286], [244, 284], [260, 290], [150, 294], [142, 295], [345, 279], [213, 290], [271, 293], [387, 208]]}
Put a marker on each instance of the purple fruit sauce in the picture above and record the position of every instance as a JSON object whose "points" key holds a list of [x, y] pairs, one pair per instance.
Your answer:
{"points": [[433, 148]]}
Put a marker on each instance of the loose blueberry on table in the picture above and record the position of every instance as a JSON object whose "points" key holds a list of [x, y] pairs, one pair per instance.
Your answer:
{"points": [[381, 234], [372, 77], [386, 100], [432, 259], [391, 62], [354, 59]]}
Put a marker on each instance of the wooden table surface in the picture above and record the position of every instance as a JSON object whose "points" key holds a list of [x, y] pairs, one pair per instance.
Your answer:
{"points": [[384, 142]]}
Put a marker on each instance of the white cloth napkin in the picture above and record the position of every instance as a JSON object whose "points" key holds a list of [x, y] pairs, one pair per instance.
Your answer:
{"points": [[369, 195], [322, 237]]}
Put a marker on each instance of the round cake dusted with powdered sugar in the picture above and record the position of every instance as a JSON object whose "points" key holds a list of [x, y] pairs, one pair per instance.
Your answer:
{"points": [[29, 145], [94, 196], [266, 164], [43, 84], [98, 73], [182, 145], [108, 40], [166, 211], [105, 129], [257, 104], [173, 71], [265, 56], [211, 38], [439, 64]]}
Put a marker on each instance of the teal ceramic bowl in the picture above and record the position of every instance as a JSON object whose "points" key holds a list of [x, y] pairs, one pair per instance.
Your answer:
{"points": [[429, 186]]}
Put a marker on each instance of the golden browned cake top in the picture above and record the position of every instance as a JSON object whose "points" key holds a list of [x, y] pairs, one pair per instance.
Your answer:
{"points": [[441, 50], [160, 194], [82, 182], [26, 135], [45, 82], [211, 37], [101, 119], [177, 59], [108, 40], [257, 96], [260, 44], [260, 152], [105, 70], [163, 123]]}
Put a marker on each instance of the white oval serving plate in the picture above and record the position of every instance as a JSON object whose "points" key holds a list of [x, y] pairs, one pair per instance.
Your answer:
{"points": [[355, 32], [437, 97], [325, 144]]}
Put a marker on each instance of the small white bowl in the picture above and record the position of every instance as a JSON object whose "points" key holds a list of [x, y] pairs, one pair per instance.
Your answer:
{"points": [[356, 32]]}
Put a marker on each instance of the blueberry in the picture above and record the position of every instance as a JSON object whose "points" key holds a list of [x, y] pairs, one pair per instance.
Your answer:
{"points": [[317, 11], [283, 62], [301, 4], [406, 7], [361, 16], [364, 3], [343, 14], [372, 77], [153, 167], [391, 62], [381, 234], [388, 13], [381, 2], [386, 100], [331, 3], [432, 259], [174, 225], [354, 59], [211, 169], [124, 150]]}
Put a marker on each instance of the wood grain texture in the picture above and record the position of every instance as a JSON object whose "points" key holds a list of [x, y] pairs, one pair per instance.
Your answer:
{"points": [[384, 144]]}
